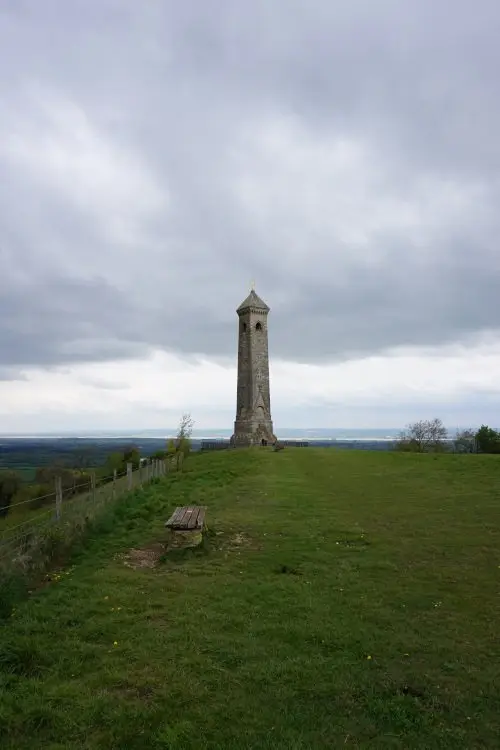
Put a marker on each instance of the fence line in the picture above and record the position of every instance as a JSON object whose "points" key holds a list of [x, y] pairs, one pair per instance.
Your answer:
{"points": [[67, 504], [70, 489]]}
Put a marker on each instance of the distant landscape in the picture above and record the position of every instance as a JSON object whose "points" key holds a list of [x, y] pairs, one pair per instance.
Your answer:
{"points": [[26, 454]]}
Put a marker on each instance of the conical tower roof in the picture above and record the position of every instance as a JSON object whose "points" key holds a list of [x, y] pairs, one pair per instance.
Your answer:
{"points": [[253, 300]]}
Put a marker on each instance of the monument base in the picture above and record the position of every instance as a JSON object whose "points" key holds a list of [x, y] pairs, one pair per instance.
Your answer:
{"points": [[248, 433]]}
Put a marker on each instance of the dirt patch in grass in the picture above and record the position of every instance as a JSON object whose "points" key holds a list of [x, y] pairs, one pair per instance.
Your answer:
{"points": [[230, 540], [145, 557], [239, 540]]}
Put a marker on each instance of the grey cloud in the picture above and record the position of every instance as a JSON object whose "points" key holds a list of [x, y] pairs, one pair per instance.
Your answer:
{"points": [[11, 373], [179, 86], [102, 384], [67, 320]]}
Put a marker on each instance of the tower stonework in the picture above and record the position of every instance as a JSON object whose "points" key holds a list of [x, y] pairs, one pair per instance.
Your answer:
{"points": [[253, 422]]}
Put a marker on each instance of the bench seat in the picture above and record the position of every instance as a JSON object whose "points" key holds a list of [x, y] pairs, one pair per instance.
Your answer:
{"points": [[187, 518]]}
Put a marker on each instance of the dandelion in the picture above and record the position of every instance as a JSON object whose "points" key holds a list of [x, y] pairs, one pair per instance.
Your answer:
{"points": [[106, 597], [369, 658], [115, 643]]}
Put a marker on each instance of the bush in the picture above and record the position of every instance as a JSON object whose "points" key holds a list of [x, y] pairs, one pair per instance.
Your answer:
{"points": [[488, 440]]}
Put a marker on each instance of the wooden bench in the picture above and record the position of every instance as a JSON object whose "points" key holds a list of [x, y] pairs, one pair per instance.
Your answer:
{"points": [[188, 518]]}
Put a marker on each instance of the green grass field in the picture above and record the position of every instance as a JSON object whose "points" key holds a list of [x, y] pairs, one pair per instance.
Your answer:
{"points": [[340, 600]]}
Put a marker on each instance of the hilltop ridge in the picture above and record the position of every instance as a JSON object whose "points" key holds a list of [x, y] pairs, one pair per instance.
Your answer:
{"points": [[338, 599]]}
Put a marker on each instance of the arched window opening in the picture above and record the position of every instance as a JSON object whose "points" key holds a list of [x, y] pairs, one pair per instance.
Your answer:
{"points": [[258, 326]]}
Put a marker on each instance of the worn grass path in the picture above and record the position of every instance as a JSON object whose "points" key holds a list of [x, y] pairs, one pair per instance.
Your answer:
{"points": [[341, 599]]}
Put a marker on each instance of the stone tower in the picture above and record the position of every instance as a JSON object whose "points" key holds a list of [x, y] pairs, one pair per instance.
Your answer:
{"points": [[253, 402]]}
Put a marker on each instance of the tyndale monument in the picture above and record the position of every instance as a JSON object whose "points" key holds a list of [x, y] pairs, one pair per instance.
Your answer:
{"points": [[253, 424]]}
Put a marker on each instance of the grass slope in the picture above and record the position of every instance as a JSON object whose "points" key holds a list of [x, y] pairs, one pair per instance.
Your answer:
{"points": [[341, 599]]}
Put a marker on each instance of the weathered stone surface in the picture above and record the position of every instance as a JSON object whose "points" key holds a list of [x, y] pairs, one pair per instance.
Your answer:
{"points": [[253, 402]]}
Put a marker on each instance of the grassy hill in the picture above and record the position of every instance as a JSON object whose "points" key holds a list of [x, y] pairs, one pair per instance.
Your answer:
{"points": [[340, 599]]}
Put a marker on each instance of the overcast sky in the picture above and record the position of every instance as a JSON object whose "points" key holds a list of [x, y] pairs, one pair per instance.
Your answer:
{"points": [[156, 157]]}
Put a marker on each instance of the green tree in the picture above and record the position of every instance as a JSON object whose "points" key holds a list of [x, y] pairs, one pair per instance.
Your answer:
{"points": [[114, 461], [488, 440], [119, 459], [159, 455], [132, 456], [10, 483], [72, 480]]}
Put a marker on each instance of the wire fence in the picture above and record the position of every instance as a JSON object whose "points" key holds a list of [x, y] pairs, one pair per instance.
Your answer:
{"points": [[66, 508]]}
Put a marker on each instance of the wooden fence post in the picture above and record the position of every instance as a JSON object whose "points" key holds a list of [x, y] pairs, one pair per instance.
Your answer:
{"points": [[129, 476], [58, 498], [114, 484], [140, 473]]}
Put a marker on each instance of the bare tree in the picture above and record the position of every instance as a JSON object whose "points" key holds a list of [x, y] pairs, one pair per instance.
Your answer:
{"points": [[465, 441], [424, 436]]}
